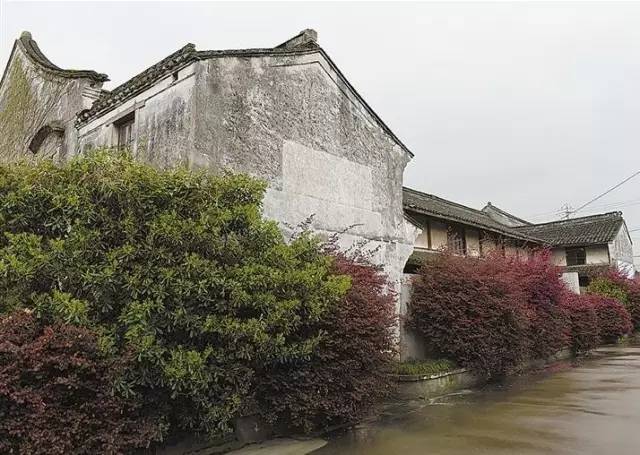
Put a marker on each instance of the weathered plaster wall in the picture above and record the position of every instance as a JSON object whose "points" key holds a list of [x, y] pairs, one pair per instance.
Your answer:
{"points": [[559, 256], [571, 279], [621, 250], [291, 121], [31, 98], [598, 254]]}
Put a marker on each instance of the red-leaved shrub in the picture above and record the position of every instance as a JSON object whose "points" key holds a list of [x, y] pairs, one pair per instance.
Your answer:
{"points": [[614, 320], [536, 282], [468, 312], [583, 322], [56, 394], [349, 371]]}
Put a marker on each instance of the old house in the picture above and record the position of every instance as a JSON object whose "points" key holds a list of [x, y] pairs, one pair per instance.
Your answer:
{"points": [[587, 245], [285, 114]]}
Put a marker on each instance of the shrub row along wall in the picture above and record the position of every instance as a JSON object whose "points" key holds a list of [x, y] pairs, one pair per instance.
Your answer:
{"points": [[140, 303], [494, 314]]}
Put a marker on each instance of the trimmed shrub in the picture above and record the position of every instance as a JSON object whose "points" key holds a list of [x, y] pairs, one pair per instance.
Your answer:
{"points": [[583, 322], [177, 268], [56, 393], [491, 314], [535, 281], [614, 320], [349, 371], [468, 315]]}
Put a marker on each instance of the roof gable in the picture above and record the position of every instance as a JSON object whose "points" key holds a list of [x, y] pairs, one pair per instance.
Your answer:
{"points": [[302, 44], [502, 216]]}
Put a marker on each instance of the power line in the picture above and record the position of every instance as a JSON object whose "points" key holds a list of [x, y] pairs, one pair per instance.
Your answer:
{"points": [[605, 193]]}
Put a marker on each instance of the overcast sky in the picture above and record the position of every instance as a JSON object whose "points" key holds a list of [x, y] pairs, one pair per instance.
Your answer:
{"points": [[528, 105]]}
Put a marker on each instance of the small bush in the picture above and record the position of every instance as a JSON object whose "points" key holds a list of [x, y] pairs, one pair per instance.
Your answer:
{"points": [[583, 322], [56, 393], [349, 372], [614, 320], [425, 367], [617, 286]]}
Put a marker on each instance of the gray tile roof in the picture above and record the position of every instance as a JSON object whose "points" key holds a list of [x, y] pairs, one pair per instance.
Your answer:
{"points": [[428, 204], [587, 230]]}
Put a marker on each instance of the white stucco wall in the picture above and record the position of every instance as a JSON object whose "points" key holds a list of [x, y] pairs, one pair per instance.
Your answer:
{"points": [[598, 254], [438, 235], [473, 242], [559, 256], [621, 251]]}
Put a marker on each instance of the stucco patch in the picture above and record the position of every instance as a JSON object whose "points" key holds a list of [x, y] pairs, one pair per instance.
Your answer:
{"points": [[324, 176]]}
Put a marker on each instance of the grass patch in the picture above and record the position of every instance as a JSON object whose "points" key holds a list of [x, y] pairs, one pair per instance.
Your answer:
{"points": [[426, 367]]}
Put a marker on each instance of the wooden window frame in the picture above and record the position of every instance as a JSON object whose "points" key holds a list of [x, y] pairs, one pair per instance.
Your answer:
{"points": [[125, 124], [460, 229], [576, 250]]}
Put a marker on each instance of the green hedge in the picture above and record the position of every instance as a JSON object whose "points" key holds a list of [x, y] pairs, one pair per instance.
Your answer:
{"points": [[177, 267]]}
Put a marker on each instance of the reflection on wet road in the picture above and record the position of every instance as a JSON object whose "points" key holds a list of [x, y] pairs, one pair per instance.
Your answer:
{"points": [[589, 409]]}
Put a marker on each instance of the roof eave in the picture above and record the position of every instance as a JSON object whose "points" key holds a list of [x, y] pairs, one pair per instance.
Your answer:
{"points": [[485, 227]]}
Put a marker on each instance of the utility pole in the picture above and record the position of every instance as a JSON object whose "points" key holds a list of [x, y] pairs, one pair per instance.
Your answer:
{"points": [[567, 209]]}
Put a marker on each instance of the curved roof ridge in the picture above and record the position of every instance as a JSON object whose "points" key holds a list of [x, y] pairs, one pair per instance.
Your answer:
{"points": [[33, 52]]}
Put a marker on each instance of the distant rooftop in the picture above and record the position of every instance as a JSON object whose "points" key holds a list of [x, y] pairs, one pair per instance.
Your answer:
{"points": [[586, 230]]}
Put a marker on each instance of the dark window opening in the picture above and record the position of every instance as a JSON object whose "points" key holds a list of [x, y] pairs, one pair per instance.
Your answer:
{"points": [[576, 256], [584, 281], [124, 127], [456, 242], [411, 267]]}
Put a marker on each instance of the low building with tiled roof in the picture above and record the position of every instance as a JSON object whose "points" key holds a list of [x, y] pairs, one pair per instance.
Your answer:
{"points": [[462, 229], [583, 246]]}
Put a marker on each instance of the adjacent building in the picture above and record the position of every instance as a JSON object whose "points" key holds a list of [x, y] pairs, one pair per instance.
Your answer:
{"points": [[587, 245], [460, 229]]}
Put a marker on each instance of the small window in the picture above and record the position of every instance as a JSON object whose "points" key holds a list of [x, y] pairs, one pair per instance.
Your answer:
{"points": [[456, 242], [124, 127], [576, 256]]}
